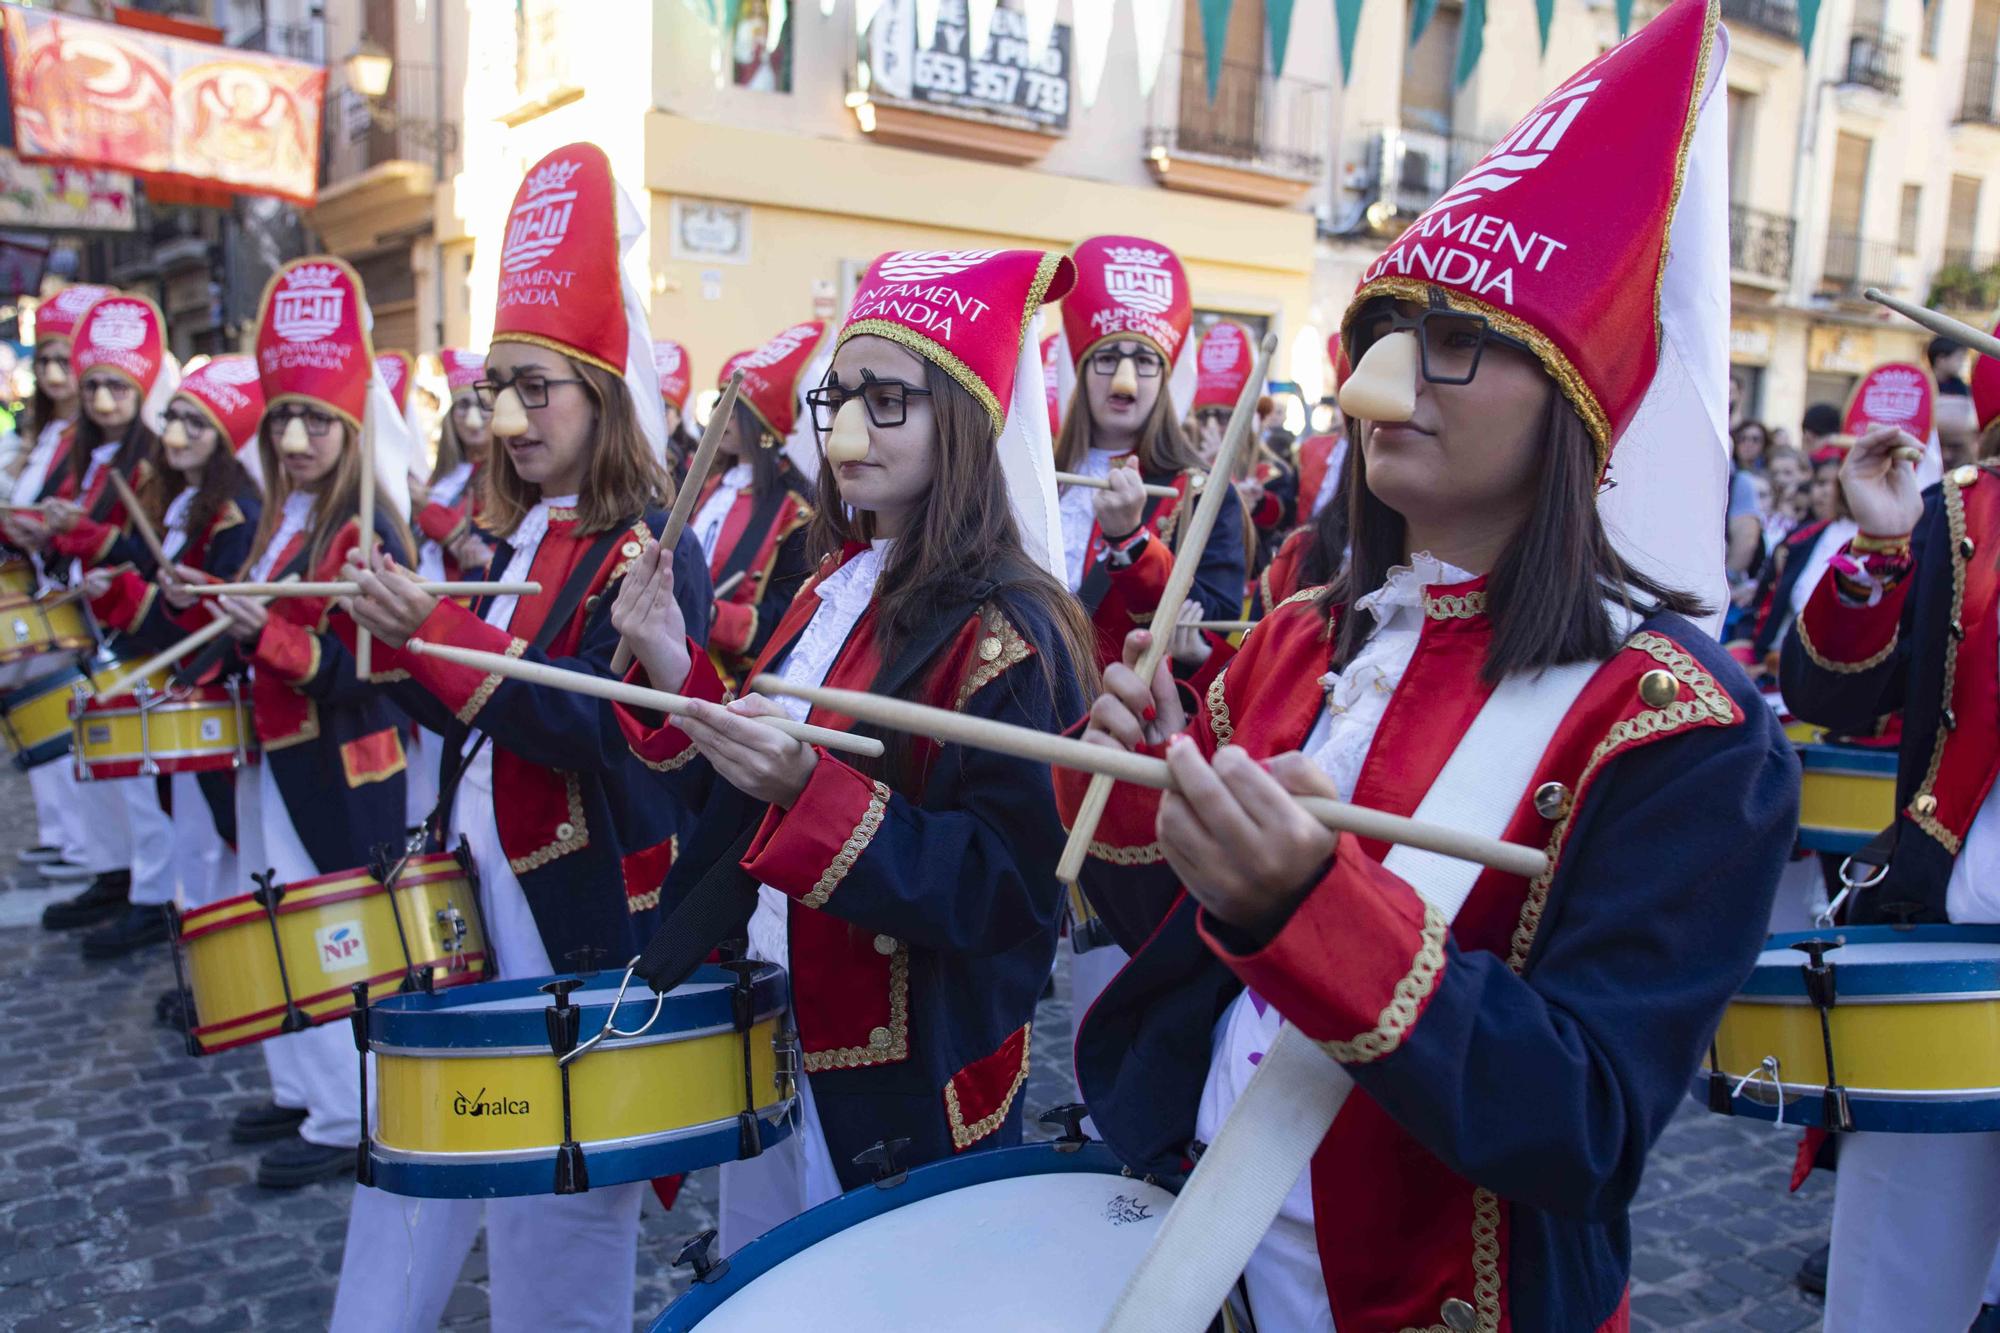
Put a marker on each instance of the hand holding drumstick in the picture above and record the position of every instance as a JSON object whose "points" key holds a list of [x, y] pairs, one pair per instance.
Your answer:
{"points": [[1880, 483]]}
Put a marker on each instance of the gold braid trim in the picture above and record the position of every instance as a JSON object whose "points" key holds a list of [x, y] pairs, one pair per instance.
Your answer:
{"points": [[1151, 854], [1954, 515], [1453, 606], [1218, 710], [963, 1136], [850, 851], [1826, 663], [885, 1044], [935, 353], [486, 687], [1400, 1014], [647, 901], [579, 836], [1009, 649]]}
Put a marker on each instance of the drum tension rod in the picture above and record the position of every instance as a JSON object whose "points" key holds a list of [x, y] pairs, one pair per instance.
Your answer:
{"points": [[364, 1158], [889, 1173], [1069, 1117], [565, 1024], [1822, 992], [180, 979], [743, 1013], [386, 873], [695, 1254], [268, 893], [1719, 1100]]}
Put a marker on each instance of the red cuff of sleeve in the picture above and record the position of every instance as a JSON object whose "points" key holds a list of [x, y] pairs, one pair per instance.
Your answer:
{"points": [[1355, 965], [125, 603], [1127, 834], [1847, 639], [1268, 511], [805, 852], [1144, 581], [288, 651], [462, 689], [734, 626], [87, 541], [652, 737], [441, 524]]}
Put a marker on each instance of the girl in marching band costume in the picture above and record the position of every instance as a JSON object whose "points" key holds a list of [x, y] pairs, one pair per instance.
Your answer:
{"points": [[1512, 651], [670, 363], [205, 507], [329, 786], [752, 514], [913, 899], [1126, 325], [571, 876], [449, 547], [1224, 358]]}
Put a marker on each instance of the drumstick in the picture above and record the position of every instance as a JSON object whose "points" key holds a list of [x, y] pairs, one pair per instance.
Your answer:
{"points": [[722, 589], [348, 588], [1218, 626], [364, 642], [71, 594], [212, 630], [1193, 540], [1104, 484], [618, 691], [1113, 765], [697, 473], [140, 523], [1957, 330]]}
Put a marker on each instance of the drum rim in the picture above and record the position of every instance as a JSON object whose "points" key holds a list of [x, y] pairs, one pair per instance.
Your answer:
{"points": [[1829, 757], [772, 1113], [450, 981], [198, 921], [791, 1238], [128, 705], [653, 1038], [1883, 980], [441, 1022], [37, 688]]}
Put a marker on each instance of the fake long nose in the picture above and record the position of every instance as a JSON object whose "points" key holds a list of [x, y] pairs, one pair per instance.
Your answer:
{"points": [[175, 436], [847, 442], [475, 416], [1125, 379], [292, 441], [103, 401], [510, 419], [1383, 387], [55, 378]]}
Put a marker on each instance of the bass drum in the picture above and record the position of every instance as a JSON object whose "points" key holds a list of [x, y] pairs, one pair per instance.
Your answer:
{"points": [[1035, 1239]]}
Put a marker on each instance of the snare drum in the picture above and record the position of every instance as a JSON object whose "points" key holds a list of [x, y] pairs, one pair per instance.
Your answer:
{"points": [[285, 958], [34, 716], [472, 1102], [32, 631], [1911, 1016], [1040, 1237], [17, 578], [1847, 795], [160, 728]]}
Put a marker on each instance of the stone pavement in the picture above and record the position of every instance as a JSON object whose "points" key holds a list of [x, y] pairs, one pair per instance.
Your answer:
{"points": [[124, 1206]]}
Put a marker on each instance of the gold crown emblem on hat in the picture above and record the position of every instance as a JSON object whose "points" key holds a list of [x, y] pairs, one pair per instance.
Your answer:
{"points": [[1137, 254], [311, 275], [552, 176]]}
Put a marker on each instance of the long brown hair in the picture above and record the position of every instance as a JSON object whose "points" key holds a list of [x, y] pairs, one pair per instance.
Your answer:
{"points": [[1547, 592], [763, 451], [964, 530], [335, 504], [139, 442], [623, 479], [1163, 446], [223, 478], [450, 449]]}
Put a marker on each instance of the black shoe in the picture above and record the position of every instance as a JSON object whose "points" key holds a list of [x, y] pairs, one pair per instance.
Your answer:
{"points": [[291, 1165], [39, 856], [139, 927], [65, 872], [1988, 1321], [1811, 1276], [262, 1124], [175, 1009], [107, 897]]}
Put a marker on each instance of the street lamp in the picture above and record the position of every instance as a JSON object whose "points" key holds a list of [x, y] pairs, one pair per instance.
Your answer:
{"points": [[368, 68]]}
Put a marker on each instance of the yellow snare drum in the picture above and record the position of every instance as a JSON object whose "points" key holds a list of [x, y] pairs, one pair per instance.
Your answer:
{"points": [[473, 1102], [34, 716], [33, 631], [287, 956], [17, 578], [163, 728], [1847, 795]]}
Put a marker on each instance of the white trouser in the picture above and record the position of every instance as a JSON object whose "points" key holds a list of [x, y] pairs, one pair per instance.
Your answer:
{"points": [[554, 1262], [423, 751], [1089, 973], [1993, 1281], [153, 878], [778, 1184], [1801, 894], [96, 834], [49, 797], [203, 862], [1916, 1219]]}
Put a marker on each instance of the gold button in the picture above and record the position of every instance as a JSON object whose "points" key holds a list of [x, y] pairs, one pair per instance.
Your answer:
{"points": [[1962, 477], [1458, 1316], [878, 1037], [565, 831], [1659, 688], [885, 944], [989, 648], [630, 550], [1925, 805], [1552, 800]]}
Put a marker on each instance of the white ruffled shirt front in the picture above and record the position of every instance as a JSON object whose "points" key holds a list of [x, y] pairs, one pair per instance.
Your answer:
{"points": [[1286, 1287], [174, 533], [1078, 510], [292, 520]]}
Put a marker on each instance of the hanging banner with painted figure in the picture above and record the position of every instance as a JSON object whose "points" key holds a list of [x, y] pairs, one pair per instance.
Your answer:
{"points": [[92, 94]]}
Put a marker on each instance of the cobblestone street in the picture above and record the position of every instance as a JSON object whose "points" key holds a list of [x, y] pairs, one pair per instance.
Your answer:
{"points": [[124, 1206]]}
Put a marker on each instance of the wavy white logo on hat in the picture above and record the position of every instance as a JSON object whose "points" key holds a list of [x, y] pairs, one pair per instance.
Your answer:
{"points": [[73, 301], [928, 265], [392, 371], [1525, 149], [230, 370], [309, 304], [1893, 397], [1222, 349], [541, 220], [780, 347], [118, 326], [666, 359], [1137, 276]]}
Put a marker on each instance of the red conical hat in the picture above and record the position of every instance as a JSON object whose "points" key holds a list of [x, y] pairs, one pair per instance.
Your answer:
{"points": [[395, 368], [1052, 380], [125, 334], [227, 389], [1896, 394], [1223, 363], [1986, 387], [771, 375], [312, 341], [1340, 366], [1559, 234], [55, 318], [1127, 287], [966, 311], [462, 368], [670, 361], [560, 285]]}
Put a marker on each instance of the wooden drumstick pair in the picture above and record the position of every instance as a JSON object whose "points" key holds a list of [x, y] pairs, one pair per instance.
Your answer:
{"points": [[214, 629]]}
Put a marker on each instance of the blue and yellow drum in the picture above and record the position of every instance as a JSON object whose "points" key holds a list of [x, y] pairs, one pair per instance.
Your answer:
{"points": [[34, 716], [1913, 1024], [1847, 795], [473, 1102]]}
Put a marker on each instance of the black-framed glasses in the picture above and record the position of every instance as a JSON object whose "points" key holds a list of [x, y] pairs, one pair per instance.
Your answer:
{"points": [[531, 387], [117, 388], [1105, 361], [1452, 342], [46, 361], [464, 403], [887, 402], [317, 423], [194, 423]]}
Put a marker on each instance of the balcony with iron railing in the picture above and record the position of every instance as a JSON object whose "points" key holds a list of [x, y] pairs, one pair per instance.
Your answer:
{"points": [[1978, 104], [1760, 243], [1778, 18], [1967, 280], [1411, 168], [1874, 59], [1261, 136], [403, 126], [1854, 263]]}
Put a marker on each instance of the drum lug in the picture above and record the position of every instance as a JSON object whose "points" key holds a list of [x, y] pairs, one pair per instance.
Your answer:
{"points": [[1822, 991], [743, 1014], [695, 1254], [564, 1023], [1069, 1117], [1835, 1111], [572, 1176], [180, 978], [364, 1160], [1719, 1100], [889, 1173]]}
